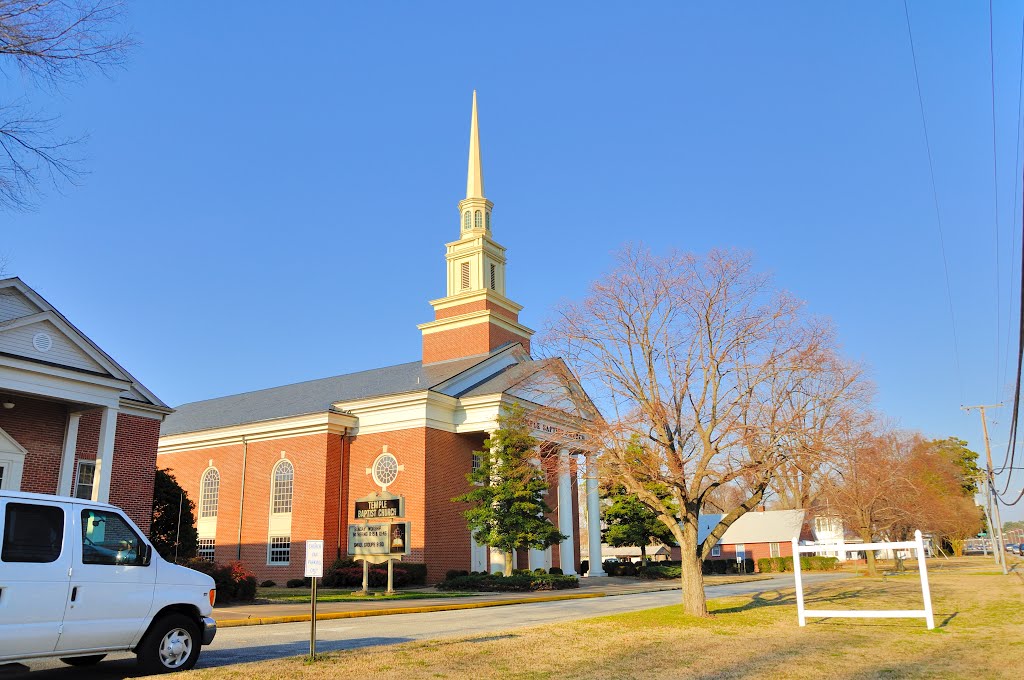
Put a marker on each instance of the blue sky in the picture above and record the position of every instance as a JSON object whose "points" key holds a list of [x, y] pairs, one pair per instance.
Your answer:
{"points": [[269, 193]]}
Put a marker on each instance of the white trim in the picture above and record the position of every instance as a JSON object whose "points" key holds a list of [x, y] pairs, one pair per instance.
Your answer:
{"points": [[34, 379], [472, 319], [278, 428]]}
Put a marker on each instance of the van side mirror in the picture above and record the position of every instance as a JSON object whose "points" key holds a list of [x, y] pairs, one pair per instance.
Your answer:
{"points": [[145, 555]]}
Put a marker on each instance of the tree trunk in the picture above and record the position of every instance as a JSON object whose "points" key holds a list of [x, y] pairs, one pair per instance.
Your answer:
{"points": [[508, 563], [865, 536], [694, 602], [643, 556]]}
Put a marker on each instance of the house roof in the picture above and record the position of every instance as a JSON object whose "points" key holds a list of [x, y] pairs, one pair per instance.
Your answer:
{"points": [[312, 396], [770, 526]]}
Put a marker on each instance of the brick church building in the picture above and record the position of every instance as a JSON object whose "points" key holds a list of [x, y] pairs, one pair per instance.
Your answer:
{"points": [[273, 468], [72, 420]]}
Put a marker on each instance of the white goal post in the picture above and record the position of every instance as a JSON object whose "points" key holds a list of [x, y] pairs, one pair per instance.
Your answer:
{"points": [[916, 544]]}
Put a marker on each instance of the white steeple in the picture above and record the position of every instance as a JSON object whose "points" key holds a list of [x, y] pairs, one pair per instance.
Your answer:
{"points": [[474, 317], [475, 175]]}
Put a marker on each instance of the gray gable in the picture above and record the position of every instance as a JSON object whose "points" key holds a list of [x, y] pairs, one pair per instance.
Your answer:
{"points": [[312, 396]]}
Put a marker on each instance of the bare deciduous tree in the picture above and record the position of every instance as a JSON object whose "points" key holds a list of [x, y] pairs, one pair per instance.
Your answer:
{"points": [[717, 375], [50, 43]]}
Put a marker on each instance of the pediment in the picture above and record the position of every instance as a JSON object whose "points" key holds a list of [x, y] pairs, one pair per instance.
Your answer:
{"points": [[32, 329], [38, 338]]}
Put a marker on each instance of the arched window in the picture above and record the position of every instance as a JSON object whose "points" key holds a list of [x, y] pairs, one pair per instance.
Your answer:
{"points": [[478, 220], [281, 496], [466, 220], [487, 217], [209, 491]]}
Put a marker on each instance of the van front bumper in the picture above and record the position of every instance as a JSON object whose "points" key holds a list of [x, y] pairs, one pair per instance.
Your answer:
{"points": [[209, 630]]}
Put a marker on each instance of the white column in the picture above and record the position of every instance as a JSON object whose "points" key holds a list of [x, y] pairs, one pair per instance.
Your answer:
{"points": [[594, 519], [104, 455], [67, 461], [497, 556], [566, 522], [538, 558]]}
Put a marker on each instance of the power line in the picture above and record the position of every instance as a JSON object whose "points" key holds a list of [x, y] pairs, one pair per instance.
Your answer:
{"points": [[1016, 195], [995, 184], [938, 212]]}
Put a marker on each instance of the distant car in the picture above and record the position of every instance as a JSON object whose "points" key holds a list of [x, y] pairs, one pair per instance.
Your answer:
{"points": [[1014, 548]]}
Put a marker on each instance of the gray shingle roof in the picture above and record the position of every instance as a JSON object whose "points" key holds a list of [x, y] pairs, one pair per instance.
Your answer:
{"points": [[312, 396]]}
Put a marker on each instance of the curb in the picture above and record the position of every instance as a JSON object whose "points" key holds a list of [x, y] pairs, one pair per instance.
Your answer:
{"points": [[299, 618]]}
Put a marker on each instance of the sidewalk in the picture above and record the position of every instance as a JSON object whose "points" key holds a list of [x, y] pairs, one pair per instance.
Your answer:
{"points": [[602, 586]]}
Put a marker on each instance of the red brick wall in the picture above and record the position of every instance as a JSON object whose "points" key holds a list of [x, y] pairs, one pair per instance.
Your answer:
{"points": [[449, 459], [754, 551], [131, 480], [467, 341], [39, 426], [313, 488], [409, 448]]}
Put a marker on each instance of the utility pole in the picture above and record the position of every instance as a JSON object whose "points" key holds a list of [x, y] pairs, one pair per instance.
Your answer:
{"points": [[995, 523]]}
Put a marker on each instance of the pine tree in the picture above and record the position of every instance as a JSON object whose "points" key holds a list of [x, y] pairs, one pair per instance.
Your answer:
{"points": [[168, 497], [630, 523], [508, 510]]}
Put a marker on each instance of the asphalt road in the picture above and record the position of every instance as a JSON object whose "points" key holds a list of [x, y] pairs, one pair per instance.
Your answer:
{"points": [[258, 643]]}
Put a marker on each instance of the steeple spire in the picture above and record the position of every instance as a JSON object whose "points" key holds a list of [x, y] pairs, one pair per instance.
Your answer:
{"points": [[475, 317], [475, 176]]}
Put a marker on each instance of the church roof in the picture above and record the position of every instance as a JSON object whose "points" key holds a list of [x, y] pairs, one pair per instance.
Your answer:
{"points": [[311, 396]]}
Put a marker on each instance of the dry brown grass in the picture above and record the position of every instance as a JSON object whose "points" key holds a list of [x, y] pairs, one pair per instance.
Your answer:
{"points": [[979, 634]]}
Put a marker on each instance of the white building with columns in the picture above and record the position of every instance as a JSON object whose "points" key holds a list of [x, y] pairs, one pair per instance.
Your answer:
{"points": [[273, 468], [73, 421]]}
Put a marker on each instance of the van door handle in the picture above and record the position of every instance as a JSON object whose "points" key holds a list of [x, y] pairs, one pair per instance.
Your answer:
{"points": [[74, 593]]}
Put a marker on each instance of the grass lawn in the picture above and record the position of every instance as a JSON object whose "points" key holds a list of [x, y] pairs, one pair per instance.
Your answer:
{"points": [[979, 617], [293, 595]]}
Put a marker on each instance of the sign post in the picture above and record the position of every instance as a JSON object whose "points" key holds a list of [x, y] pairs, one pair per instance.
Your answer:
{"points": [[314, 571]]}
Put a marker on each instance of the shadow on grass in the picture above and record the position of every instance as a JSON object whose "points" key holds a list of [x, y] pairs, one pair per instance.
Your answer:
{"points": [[775, 598]]}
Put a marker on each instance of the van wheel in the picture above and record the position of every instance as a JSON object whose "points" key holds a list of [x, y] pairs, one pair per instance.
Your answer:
{"points": [[90, 660], [172, 644]]}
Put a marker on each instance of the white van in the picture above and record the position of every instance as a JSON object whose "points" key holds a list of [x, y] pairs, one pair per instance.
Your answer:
{"points": [[78, 580]]}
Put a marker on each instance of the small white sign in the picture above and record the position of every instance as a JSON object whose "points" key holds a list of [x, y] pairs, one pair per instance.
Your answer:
{"points": [[314, 559]]}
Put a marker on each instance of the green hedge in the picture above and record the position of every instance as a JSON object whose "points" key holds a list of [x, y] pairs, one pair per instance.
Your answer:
{"points": [[516, 583], [660, 572], [807, 563]]}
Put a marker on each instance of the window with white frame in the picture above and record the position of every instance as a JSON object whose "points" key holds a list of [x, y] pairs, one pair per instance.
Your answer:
{"points": [[206, 548], [209, 492], [716, 551], [84, 477], [3, 468], [773, 550], [281, 496], [279, 550], [477, 461]]}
